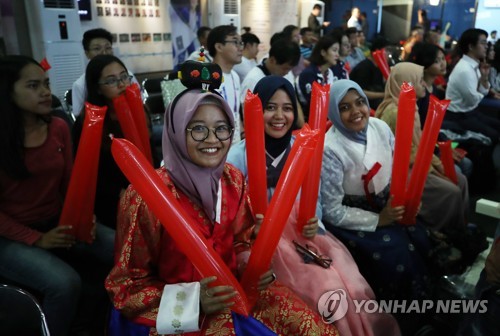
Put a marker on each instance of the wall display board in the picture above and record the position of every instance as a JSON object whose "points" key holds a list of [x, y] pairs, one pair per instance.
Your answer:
{"points": [[141, 31]]}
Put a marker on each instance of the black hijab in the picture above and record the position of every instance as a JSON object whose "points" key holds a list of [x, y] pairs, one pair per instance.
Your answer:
{"points": [[266, 88]]}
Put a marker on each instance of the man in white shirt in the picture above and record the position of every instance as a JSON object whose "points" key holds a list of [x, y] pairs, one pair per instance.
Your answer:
{"points": [[354, 21], [226, 47], [95, 42], [283, 56], [249, 58], [467, 86]]}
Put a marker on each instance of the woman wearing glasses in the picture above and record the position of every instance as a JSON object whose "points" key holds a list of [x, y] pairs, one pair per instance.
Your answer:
{"points": [[151, 271], [309, 263], [107, 78]]}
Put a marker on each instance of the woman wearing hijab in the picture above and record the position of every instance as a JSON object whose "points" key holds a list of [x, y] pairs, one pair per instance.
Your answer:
{"points": [[294, 270], [444, 204], [355, 183], [151, 272]]}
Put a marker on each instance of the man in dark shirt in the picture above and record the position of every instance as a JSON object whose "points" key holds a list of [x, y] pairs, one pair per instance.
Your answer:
{"points": [[313, 23], [369, 76]]}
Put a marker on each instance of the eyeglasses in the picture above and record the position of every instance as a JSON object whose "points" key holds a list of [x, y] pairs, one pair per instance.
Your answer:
{"points": [[113, 81], [237, 43], [102, 49], [200, 133], [309, 255]]}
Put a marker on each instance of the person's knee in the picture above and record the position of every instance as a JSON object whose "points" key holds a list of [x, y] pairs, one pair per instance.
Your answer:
{"points": [[65, 283]]}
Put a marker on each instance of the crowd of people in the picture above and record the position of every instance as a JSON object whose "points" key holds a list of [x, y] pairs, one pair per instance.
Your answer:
{"points": [[142, 283]]}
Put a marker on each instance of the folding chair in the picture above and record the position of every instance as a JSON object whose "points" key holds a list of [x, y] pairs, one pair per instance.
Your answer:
{"points": [[20, 313]]}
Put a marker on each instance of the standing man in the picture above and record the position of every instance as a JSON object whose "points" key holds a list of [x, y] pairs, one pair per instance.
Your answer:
{"points": [[95, 42], [354, 21], [226, 47], [313, 23]]}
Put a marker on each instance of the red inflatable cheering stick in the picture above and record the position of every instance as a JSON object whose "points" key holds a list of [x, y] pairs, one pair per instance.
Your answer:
{"points": [[279, 209], [320, 98], [380, 59], [402, 146], [256, 153], [127, 122], [78, 209], [447, 160], [134, 99], [423, 158], [179, 225]]}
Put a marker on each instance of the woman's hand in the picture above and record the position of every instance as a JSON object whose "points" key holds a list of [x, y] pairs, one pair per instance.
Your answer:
{"points": [[311, 228], [215, 299], [388, 215], [56, 238], [266, 279]]}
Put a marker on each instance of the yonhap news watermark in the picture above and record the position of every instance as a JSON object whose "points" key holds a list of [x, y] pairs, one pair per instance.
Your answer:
{"points": [[333, 306]]}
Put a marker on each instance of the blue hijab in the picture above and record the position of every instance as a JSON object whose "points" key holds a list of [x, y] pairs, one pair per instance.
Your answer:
{"points": [[338, 90]]}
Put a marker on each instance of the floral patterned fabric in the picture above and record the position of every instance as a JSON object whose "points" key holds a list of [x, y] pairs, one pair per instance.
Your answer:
{"points": [[147, 258]]}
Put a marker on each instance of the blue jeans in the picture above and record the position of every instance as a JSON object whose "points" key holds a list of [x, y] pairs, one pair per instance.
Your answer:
{"points": [[44, 272]]}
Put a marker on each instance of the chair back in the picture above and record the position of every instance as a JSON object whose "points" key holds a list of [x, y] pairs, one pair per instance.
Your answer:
{"points": [[152, 85], [58, 110], [68, 99], [170, 89], [154, 104], [20, 313]]}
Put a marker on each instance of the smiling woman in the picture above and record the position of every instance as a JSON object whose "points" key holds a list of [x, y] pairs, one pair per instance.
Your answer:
{"points": [[152, 272]]}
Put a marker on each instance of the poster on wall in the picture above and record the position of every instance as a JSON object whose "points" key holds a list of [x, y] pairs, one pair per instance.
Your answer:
{"points": [[185, 18]]}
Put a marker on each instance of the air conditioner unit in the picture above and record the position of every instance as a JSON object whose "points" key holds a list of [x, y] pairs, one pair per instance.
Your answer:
{"points": [[224, 12], [56, 34], [306, 7]]}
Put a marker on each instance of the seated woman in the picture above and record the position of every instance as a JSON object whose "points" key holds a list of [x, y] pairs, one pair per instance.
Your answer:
{"points": [[278, 100], [35, 168], [150, 268], [356, 204], [444, 204], [324, 55], [432, 58], [107, 78]]}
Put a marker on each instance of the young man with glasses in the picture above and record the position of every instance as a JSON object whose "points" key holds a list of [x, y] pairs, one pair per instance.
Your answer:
{"points": [[226, 47], [95, 42]]}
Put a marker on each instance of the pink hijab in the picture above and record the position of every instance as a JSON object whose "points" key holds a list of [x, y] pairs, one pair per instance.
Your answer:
{"points": [[198, 183]]}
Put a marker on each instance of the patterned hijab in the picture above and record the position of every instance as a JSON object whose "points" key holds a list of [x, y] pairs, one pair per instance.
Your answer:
{"points": [[338, 90], [401, 72], [198, 183]]}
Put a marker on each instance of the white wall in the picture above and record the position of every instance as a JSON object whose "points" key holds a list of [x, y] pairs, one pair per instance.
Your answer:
{"points": [[487, 18], [267, 17]]}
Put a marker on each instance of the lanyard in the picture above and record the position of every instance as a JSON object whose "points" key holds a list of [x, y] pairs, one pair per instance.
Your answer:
{"points": [[225, 95]]}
